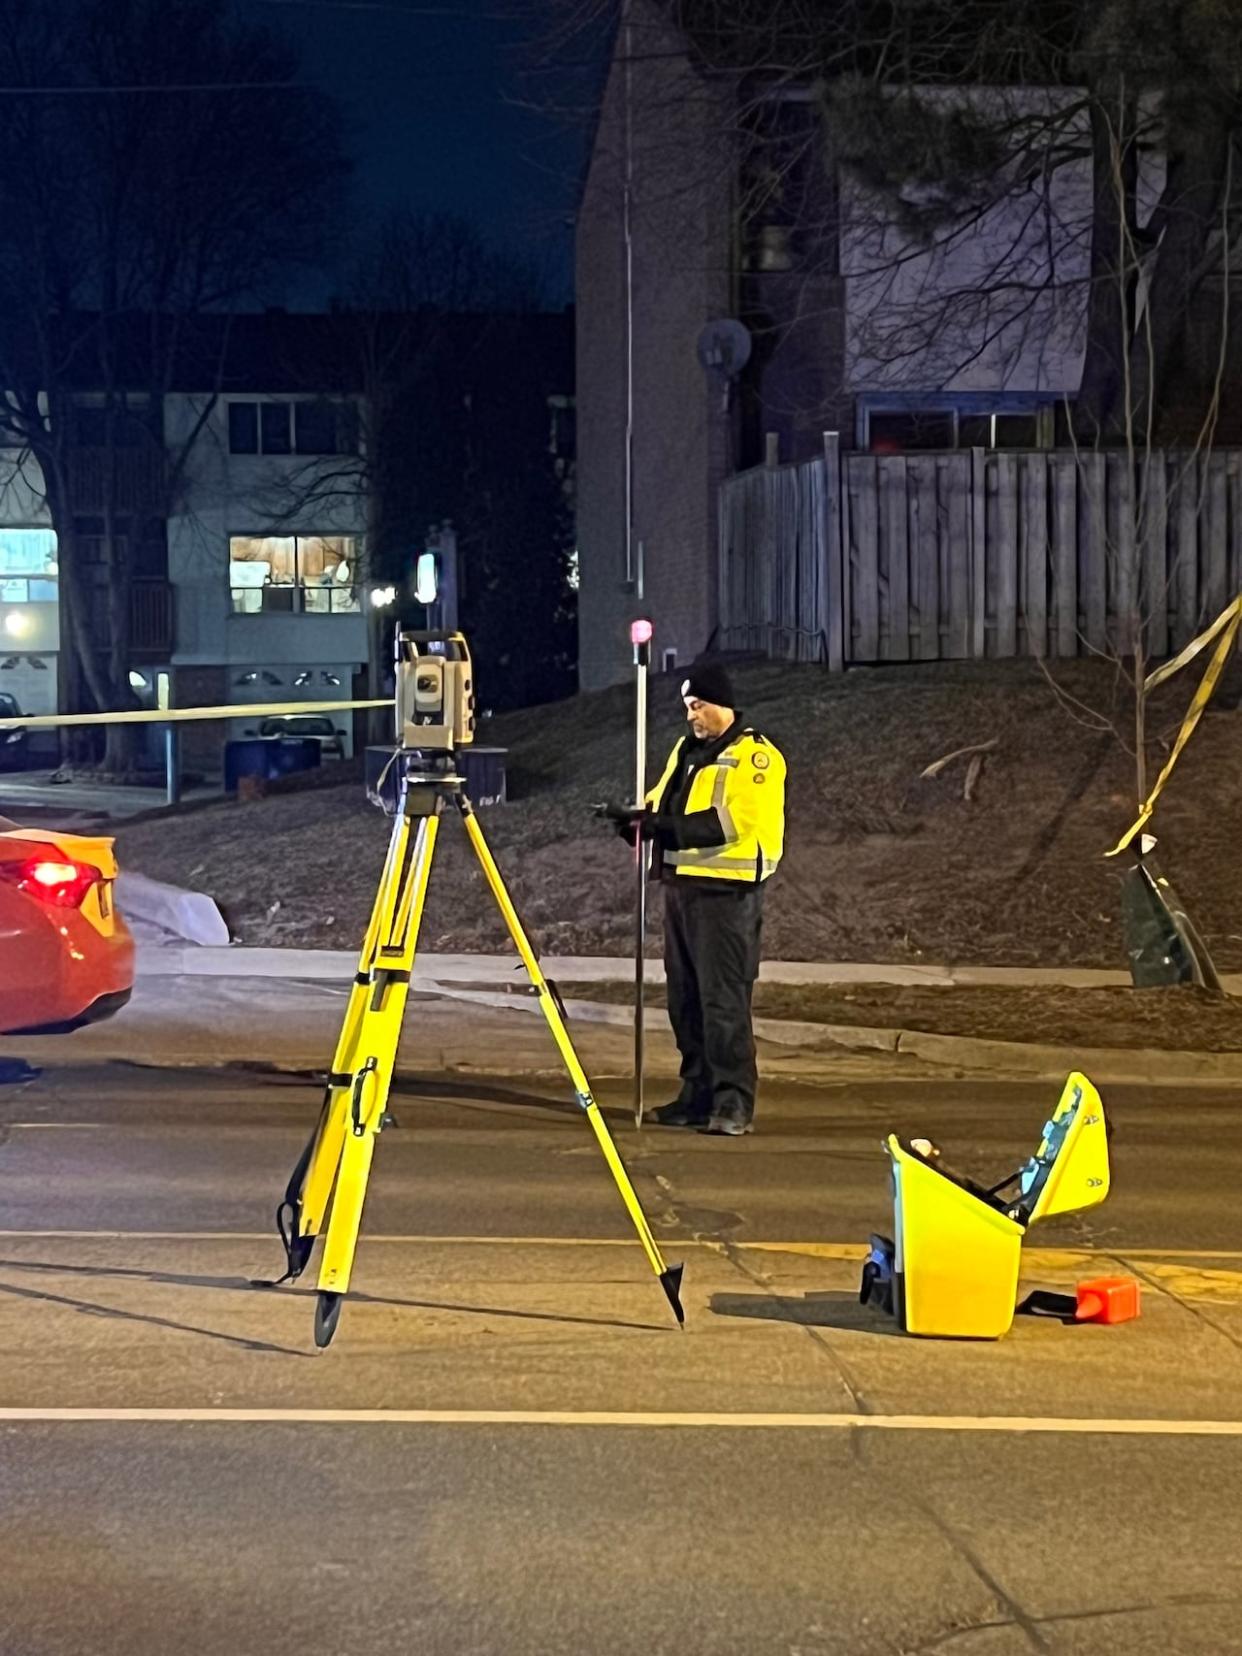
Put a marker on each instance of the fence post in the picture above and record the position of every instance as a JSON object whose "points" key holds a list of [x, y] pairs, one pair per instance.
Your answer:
{"points": [[836, 630], [978, 553]]}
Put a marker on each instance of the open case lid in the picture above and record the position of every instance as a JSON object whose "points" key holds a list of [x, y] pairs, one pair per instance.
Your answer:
{"points": [[1069, 1171]]}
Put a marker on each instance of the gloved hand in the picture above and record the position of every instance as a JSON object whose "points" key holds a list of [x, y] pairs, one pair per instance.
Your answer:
{"points": [[624, 818], [631, 821]]}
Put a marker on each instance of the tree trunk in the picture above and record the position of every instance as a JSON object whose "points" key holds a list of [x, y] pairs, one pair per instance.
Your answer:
{"points": [[1099, 411], [120, 760], [1188, 216], [82, 675]]}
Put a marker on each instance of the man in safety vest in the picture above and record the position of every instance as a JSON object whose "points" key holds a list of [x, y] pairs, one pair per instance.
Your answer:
{"points": [[716, 819]]}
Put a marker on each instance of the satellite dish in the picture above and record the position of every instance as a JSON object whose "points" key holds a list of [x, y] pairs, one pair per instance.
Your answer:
{"points": [[724, 347]]}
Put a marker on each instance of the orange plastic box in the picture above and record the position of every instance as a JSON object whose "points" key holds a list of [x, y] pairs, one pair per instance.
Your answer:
{"points": [[1108, 1300]]}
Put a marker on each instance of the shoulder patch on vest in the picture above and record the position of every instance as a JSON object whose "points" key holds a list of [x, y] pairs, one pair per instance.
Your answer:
{"points": [[760, 761]]}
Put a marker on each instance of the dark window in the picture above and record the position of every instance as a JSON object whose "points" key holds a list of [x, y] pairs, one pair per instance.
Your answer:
{"points": [[88, 427], [996, 431], [91, 428], [243, 428], [151, 552], [1016, 431], [129, 430], [347, 428], [91, 541], [895, 433], [316, 427], [274, 428]]}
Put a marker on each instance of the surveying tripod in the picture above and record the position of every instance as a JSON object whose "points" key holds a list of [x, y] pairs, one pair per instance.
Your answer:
{"points": [[336, 1163]]}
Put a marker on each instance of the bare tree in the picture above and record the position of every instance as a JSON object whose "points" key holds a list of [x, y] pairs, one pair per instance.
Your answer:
{"points": [[441, 342], [164, 166], [956, 174], [441, 261]]}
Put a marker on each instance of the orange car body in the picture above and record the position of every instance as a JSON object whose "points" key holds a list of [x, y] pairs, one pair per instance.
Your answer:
{"points": [[66, 955]]}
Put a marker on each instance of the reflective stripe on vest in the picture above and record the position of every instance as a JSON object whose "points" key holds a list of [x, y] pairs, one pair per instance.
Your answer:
{"points": [[717, 863]]}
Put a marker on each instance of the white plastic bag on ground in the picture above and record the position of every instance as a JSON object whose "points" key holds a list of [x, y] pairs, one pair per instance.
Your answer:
{"points": [[156, 912]]}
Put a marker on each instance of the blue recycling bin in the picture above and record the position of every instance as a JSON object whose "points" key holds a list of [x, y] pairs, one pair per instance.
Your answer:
{"points": [[268, 757]]}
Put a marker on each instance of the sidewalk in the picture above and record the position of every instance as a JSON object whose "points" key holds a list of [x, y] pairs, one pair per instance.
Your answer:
{"points": [[75, 804], [449, 1028], [339, 965]]}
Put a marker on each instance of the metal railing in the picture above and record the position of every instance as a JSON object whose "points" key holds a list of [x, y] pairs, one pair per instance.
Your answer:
{"points": [[288, 599]]}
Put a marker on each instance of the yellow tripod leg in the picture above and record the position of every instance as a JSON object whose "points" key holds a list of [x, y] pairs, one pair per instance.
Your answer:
{"points": [[364, 1114], [669, 1275], [299, 1217]]}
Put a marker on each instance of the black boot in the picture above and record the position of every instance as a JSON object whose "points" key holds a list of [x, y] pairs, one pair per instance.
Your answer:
{"points": [[682, 1112]]}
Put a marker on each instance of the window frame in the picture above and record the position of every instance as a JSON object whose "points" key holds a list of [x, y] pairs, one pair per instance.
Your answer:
{"points": [[340, 412], [957, 405], [299, 586]]}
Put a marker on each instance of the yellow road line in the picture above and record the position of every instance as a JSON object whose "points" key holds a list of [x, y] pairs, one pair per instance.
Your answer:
{"points": [[1082, 1426]]}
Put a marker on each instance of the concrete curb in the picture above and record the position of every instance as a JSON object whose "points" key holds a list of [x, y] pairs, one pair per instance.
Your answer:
{"points": [[188, 960], [454, 977], [964, 1053]]}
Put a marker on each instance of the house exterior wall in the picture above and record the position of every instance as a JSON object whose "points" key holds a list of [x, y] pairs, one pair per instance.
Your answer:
{"points": [[680, 179], [260, 655], [251, 494], [235, 656]]}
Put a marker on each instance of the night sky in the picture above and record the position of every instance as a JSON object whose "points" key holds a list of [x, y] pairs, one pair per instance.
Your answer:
{"points": [[432, 92]]}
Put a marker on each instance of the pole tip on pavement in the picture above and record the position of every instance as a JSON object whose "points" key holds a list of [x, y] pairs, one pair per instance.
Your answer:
{"points": [[670, 1281], [327, 1315]]}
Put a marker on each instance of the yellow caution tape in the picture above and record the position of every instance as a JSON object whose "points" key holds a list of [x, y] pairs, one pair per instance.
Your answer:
{"points": [[1226, 626], [186, 715], [1196, 644]]}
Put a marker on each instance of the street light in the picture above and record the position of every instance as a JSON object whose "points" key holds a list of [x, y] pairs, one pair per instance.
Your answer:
{"points": [[382, 599]]}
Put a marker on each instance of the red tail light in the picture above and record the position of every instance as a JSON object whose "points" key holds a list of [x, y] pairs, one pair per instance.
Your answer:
{"points": [[57, 881]]}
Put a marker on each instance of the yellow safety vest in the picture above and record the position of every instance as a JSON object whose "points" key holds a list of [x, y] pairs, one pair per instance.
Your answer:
{"points": [[745, 785]]}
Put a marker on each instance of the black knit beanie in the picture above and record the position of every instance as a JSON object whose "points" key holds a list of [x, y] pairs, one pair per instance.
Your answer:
{"points": [[709, 681]]}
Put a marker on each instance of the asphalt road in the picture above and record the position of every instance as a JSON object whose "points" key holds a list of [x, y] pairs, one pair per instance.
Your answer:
{"points": [[510, 1449]]}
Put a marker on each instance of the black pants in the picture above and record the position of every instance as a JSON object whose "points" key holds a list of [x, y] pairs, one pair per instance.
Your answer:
{"points": [[711, 961]]}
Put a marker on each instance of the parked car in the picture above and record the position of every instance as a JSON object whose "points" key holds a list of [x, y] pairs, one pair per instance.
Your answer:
{"points": [[316, 725], [66, 955], [13, 743]]}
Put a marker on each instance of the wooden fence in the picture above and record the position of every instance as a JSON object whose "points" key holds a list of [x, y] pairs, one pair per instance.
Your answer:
{"points": [[924, 557]]}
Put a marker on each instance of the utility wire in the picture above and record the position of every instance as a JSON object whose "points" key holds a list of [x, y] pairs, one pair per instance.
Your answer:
{"points": [[162, 86]]}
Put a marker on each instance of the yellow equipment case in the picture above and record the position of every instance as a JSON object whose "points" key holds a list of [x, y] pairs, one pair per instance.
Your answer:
{"points": [[951, 1269]]}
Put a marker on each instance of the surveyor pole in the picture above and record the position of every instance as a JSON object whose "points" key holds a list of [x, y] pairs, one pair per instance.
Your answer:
{"points": [[640, 637]]}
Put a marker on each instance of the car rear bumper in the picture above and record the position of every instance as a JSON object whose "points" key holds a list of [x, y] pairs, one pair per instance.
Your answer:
{"points": [[69, 980]]}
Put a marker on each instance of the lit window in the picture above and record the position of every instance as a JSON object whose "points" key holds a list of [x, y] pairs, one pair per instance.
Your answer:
{"points": [[27, 552], [297, 574]]}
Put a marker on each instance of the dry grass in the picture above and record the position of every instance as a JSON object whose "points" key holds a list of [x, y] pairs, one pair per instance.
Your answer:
{"points": [[882, 865], [1170, 1020]]}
